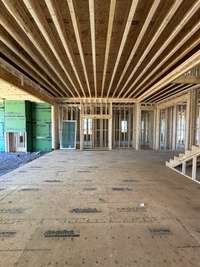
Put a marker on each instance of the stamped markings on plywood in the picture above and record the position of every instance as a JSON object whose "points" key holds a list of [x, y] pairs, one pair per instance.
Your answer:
{"points": [[84, 171], [130, 181], [89, 189], [85, 210], [53, 181], [12, 211], [6, 221], [122, 189], [7, 234], [61, 234], [29, 189], [132, 209], [162, 231]]}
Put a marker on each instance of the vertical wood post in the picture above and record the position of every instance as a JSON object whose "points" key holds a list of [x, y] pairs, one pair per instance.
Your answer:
{"points": [[194, 168], [157, 132], [174, 127], [187, 134], [137, 128], [55, 126], [110, 128], [184, 167]]}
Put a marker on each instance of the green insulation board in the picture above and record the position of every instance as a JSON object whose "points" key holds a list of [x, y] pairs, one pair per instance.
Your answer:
{"points": [[41, 127], [25, 116], [15, 116], [2, 122]]}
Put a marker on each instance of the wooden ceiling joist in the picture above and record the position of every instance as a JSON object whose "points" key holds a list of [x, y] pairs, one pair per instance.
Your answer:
{"points": [[193, 61], [161, 28], [183, 89], [92, 30], [137, 43], [167, 42], [179, 45], [31, 66], [123, 41], [78, 40], [175, 32], [97, 49], [42, 25], [25, 45], [59, 28], [166, 88], [166, 93], [29, 33], [26, 69], [14, 77], [108, 41]]}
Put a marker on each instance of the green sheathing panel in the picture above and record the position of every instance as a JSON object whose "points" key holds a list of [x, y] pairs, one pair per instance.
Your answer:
{"points": [[25, 116], [41, 127], [15, 116], [28, 108], [2, 126]]}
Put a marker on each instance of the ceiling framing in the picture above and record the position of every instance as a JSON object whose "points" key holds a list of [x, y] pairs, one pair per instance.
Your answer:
{"points": [[120, 49]]}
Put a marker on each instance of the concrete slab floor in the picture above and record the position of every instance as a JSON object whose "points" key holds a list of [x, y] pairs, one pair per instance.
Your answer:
{"points": [[97, 208]]}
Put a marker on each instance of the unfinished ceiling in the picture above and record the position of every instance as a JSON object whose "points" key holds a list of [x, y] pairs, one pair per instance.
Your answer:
{"points": [[100, 48]]}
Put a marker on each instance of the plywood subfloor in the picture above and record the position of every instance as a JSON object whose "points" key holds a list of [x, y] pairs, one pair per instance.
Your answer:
{"points": [[117, 208]]}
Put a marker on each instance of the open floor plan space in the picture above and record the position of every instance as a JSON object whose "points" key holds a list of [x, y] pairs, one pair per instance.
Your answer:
{"points": [[100, 103], [99, 208]]}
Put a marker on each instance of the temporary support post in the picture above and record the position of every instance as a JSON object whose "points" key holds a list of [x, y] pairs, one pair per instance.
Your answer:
{"points": [[184, 167], [55, 128], [193, 110], [174, 127], [194, 168], [137, 126], [157, 132], [81, 126], [187, 125], [110, 129], [60, 125]]}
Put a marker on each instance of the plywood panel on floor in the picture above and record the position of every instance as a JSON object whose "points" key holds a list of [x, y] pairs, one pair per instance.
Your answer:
{"points": [[99, 208]]}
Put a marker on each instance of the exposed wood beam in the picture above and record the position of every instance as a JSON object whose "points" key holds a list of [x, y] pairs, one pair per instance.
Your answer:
{"points": [[95, 100], [78, 40], [164, 93], [181, 69], [161, 28], [171, 85], [92, 31], [188, 79], [15, 77], [9, 54], [175, 32], [59, 28], [23, 43], [27, 49], [108, 41], [31, 66], [182, 41], [188, 87], [40, 22], [138, 41], [173, 100], [123, 41]]}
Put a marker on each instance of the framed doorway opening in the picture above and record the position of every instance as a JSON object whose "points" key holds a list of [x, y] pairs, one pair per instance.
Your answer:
{"points": [[95, 133], [16, 142], [68, 136]]}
